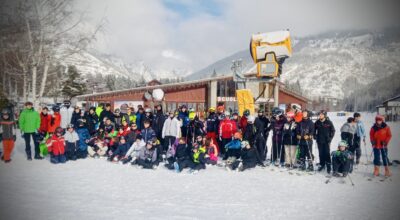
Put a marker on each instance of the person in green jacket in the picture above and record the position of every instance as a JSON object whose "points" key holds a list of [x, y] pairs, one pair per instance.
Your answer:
{"points": [[29, 123], [99, 109]]}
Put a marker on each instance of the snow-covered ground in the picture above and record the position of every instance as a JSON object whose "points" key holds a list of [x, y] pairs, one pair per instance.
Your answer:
{"points": [[96, 189]]}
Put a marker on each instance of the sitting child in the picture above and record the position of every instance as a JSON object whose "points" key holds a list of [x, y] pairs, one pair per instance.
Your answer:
{"points": [[97, 148], [121, 150], [56, 147], [133, 152], [148, 156], [211, 156], [195, 163], [84, 137], [249, 158], [233, 147], [341, 160], [72, 141], [133, 133], [177, 153]]}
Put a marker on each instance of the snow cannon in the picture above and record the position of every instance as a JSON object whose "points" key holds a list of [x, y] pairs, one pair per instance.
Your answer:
{"points": [[269, 51]]}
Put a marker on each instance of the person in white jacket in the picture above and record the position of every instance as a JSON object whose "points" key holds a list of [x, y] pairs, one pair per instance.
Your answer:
{"points": [[133, 153], [171, 131], [66, 114]]}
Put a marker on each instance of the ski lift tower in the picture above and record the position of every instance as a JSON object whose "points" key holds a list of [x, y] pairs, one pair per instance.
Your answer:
{"points": [[269, 51]]}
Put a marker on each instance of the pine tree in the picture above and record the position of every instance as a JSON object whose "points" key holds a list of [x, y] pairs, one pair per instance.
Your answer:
{"points": [[214, 74], [74, 85]]}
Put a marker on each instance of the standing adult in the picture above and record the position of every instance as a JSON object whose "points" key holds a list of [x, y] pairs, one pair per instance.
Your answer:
{"points": [[304, 133], [106, 113], [360, 134], [323, 134], [92, 120], [55, 120], [66, 114], [171, 130], [184, 116], [277, 151], [227, 129], [158, 122], [29, 123]]}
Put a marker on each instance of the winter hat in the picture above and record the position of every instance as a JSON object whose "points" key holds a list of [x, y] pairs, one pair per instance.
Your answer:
{"points": [[323, 112], [379, 118], [211, 109], [244, 144], [251, 119], [343, 144], [246, 112]]}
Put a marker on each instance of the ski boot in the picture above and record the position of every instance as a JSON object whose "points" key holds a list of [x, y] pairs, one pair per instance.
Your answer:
{"points": [[320, 168], [310, 167], [328, 168], [345, 174], [335, 174], [176, 167], [240, 167]]}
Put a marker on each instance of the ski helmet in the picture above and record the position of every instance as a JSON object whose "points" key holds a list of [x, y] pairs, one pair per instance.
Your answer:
{"points": [[227, 113], [5, 111], [117, 111], [251, 119], [59, 130], [147, 110], [70, 126], [212, 109], [260, 111], [246, 112], [296, 106], [277, 112], [56, 108]]}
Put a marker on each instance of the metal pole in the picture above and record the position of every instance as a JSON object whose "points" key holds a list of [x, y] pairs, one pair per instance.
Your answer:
{"points": [[276, 93]]}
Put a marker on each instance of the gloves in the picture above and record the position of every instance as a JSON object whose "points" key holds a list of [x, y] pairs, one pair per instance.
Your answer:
{"points": [[15, 137], [298, 137]]}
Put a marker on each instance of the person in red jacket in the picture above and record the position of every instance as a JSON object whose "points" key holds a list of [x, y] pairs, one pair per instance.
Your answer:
{"points": [[243, 120], [44, 120], [56, 147], [227, 129], [55, 120], [380, 136]]}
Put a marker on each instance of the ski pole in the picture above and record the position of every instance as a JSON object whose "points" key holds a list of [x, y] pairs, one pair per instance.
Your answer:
{"points": [[352, 183], [280, 153]]}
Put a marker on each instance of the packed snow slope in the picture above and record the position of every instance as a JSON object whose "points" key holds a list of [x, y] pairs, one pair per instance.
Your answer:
{"points": [[96, 189]]}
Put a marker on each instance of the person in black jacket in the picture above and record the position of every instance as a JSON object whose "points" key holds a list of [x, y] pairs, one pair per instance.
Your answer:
{"points": [[106, 113], [212, 127], [262, 119], [323, 134], [76, 115], [158, 123], [277, 151], [290, 140], [304, 134], [92, 120], [181, 156], [249, 156]]}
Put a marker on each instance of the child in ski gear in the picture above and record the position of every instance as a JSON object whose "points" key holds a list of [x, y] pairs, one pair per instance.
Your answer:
{"points": [[249, 158], [243, 120], [29, 123], [133, 153], [380, 136], [117, 118], [277, 123], [198, 158], [133, 133], [77, 116], [323, 134], [44, 120], [212, 126], [304, 134], [148, 156], [121, 150], [84, 137], [99, 148], [360, 134], [347, 132], [290, 140], [106, 113], [147, 132], [184, 117], [92, 120], [177, 153], [56, 147], [123, 130], [71, 141], [140, 118], [7, 134], [341, 160], [129, 116], [227, 129], [262, 123], [260, 141], [233, 148], [211, 152], [55, 120]]}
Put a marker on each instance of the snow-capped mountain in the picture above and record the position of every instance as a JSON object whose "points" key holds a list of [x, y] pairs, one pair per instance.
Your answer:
{"points": [[96, 63], [331, 64]]}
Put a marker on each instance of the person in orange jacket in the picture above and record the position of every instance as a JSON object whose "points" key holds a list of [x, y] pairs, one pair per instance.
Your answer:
{"points": [[55, 120], [380, 136]]}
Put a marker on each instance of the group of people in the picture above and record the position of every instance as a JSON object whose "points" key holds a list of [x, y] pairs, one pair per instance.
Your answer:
{"points": [[181, 139]]}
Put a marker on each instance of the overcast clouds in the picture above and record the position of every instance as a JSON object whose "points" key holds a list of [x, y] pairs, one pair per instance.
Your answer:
{"points": [[191, 34]]}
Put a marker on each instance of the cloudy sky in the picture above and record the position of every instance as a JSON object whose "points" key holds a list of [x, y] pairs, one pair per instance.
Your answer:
{"points": [[191, 34]]}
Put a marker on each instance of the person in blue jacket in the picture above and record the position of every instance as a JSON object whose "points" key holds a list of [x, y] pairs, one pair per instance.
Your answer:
{"points": [[360, 134], [233, 147], [184, 117], [84, 137], [147, 132], [121, 150]]}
